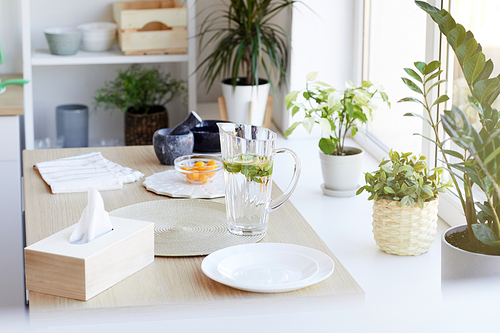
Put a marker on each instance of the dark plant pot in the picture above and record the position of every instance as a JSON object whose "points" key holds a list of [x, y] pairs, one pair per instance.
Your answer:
{"points": [[169, 147], [206, 136], [139, 128], [458, 264]]}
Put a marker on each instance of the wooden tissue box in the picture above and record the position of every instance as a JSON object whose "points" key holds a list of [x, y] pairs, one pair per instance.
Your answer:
{"points": [[81, 271], [151, 27]]}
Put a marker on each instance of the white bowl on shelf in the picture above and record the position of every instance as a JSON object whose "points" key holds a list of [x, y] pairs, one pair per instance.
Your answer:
{"points": [[97, 36]]}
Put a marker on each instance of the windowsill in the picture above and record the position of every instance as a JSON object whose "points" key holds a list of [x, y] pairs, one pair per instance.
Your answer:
{"points": [[344, 224], [402, 293]]}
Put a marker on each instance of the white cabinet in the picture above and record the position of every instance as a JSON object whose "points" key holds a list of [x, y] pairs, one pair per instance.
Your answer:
{"points": [[11, 237], [63, 76]]}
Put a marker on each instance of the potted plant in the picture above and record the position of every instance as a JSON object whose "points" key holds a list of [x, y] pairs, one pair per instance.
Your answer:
{"points": [[471, 250], [4, 84], [405, 210], [246, 43], [338, 113], [141, 94]]}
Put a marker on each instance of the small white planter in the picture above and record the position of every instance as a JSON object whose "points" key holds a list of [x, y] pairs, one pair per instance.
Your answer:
{"points": [[341, 173], [457, 264], [238, 102]]}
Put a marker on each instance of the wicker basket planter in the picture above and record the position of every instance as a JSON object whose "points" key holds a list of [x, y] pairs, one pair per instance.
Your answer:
{"points": [[139, 128], [404, 231]]}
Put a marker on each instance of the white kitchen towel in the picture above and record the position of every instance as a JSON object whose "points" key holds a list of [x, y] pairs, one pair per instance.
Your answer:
{"points": [[94, 221], [78, 173]]}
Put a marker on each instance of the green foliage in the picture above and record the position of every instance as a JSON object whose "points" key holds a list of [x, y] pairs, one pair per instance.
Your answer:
{"points": [[253, 167], [404, 178], [139, 88], [477, 162], [245, 40], [337, 112]]}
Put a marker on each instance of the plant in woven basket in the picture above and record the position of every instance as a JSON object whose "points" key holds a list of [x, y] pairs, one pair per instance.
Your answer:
{"points": [[404, 178], [406, 200], [141, 94]]}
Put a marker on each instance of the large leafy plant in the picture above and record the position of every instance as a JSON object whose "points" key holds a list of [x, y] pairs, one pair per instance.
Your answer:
{"points": [[476, 162], [404, 178], [245, 40], [337, 112], [139, 90]]}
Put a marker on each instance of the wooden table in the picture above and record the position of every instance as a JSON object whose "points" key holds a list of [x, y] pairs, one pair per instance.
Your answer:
{"points": [[169, 285], [12, 100]]}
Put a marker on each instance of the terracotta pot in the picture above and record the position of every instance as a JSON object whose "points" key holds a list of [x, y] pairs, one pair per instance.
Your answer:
{"points": [[140, 128], [457, 264], [341, 173]]}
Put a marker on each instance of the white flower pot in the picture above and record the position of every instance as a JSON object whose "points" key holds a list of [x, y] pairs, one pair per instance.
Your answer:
{"points": [[341, 173], [238, 102], [458, 264]]}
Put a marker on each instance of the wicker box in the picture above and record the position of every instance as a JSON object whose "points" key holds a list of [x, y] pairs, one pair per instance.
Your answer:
{"points": [[404, 231], [151, 27], [81, 271]]}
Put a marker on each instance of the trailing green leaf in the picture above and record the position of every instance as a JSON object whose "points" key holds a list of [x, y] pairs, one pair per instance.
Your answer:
{"points": [[404, 178]]}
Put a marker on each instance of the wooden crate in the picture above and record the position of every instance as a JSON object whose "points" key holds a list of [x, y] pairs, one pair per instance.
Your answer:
{"points": [[151, 27], [81, 271]]}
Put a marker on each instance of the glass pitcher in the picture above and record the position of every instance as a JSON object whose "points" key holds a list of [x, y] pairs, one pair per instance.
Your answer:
{"points": [[248, 164]]}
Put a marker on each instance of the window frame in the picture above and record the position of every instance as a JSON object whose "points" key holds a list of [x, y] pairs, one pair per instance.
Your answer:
{"points": [[450, 209]]}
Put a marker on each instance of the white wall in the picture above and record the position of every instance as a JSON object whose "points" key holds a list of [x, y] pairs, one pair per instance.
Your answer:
{"points": [[10, 36], [323, 40]]}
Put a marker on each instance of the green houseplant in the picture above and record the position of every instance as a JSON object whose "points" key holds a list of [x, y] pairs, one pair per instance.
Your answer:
{"points": [[406, 193], [246, 42], [4, 84], [474, 162], [141, 94], [339, 114]]}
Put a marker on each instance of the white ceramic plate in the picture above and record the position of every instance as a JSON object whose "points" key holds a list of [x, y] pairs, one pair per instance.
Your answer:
{"points": [[170, 184], [268, 267]]}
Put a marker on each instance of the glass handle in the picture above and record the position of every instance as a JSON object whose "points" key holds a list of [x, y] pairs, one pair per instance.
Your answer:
{"points": [[276, 203]]}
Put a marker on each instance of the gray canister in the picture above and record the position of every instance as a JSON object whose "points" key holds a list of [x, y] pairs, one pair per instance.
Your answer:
{"points": [[72, 124]]}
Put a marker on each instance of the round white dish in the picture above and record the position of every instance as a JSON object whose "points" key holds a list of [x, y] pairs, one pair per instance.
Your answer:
{"points": [[170, 184], [98, 36], [335, 193], [268, 267]]}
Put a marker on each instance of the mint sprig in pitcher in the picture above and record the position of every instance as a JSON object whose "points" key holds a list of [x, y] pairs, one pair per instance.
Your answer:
{"points": [[248, 164]]}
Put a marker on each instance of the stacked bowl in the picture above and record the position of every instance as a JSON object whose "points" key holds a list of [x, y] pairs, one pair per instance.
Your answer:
{"points": [[97, 36], [63, 41]]}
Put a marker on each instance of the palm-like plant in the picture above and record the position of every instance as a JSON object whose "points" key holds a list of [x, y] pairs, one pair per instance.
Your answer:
{"points": [[245, 39], [479, 154]]}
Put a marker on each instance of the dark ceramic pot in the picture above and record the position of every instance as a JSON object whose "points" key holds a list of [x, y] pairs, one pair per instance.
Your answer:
{"points": [[169, 147], [206, 136]]}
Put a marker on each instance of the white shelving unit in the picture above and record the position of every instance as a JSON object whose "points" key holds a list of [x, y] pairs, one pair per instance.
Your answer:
{"points": [[35, 57]]}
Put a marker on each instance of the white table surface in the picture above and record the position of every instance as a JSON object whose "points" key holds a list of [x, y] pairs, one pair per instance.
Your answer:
{"points": [[402, 294]]}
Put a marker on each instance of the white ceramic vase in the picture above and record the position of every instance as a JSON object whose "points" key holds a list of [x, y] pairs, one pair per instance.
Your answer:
{"points": [[238, 102], [458, 264], [341, 173]]}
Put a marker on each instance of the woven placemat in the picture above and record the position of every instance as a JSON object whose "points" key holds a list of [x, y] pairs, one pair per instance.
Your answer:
{"points": [[186, 227]]}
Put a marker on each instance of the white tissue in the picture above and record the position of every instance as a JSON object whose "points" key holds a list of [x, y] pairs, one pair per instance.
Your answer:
{"points": [[94, 221]]}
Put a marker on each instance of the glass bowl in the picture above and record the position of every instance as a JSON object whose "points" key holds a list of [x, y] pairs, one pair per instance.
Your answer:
{"points": [[198, 169]]}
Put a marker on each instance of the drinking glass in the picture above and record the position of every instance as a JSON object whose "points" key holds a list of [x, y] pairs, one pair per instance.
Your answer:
{"points": [[248, 164]]}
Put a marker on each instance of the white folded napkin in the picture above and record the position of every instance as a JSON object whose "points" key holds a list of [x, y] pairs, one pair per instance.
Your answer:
{"points": [[78, 173], [94, 221]]}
